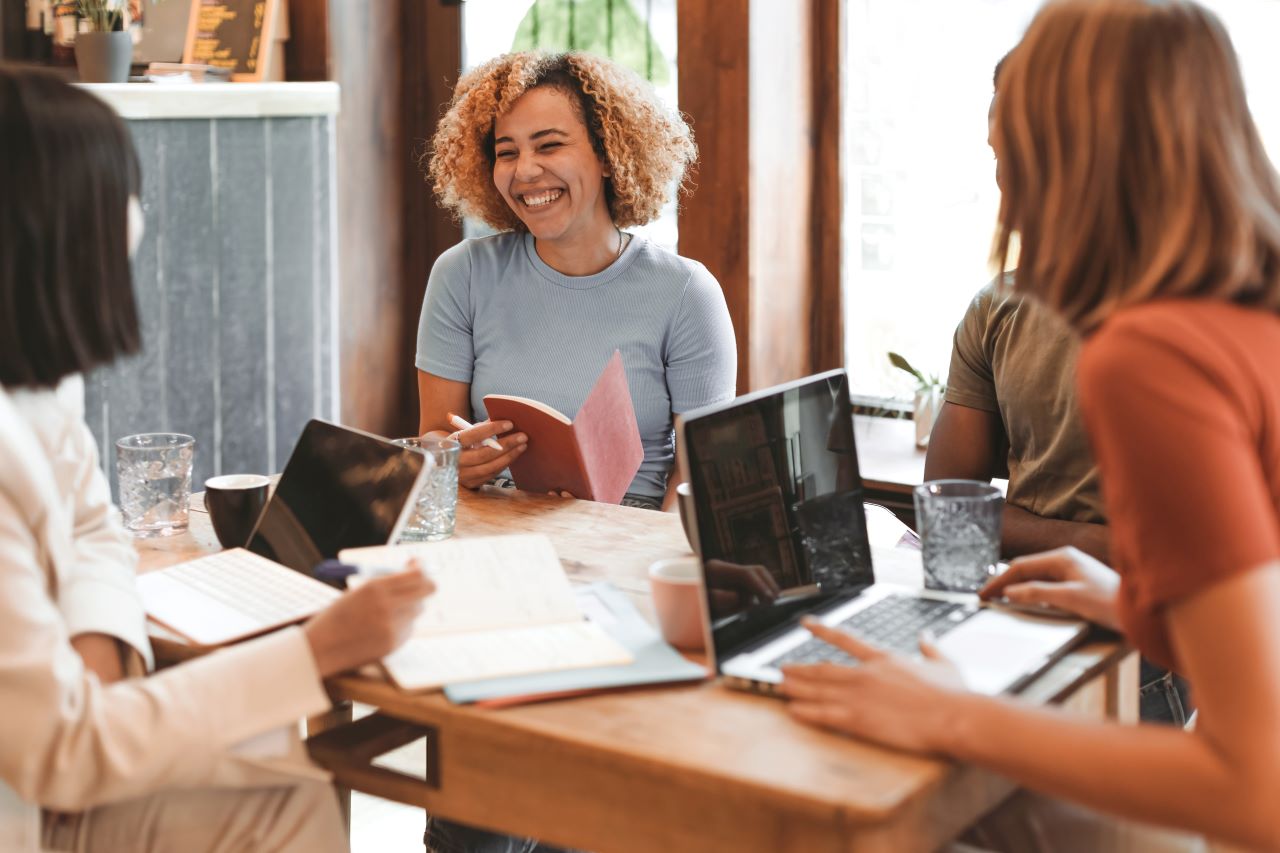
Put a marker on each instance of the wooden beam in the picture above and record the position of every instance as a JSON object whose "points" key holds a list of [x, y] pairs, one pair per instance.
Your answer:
{"points": [[13, 24], [827, 305], [306, 53], [432, 61], [712, 46], [366, 41]]}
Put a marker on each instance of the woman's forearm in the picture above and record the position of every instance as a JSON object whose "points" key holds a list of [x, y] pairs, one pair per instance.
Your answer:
{"points": [[1154, 774]]}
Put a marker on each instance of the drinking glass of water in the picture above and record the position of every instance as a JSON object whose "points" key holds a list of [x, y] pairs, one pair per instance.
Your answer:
{"points": [[154, 470], [959, 523], [437, 501]]}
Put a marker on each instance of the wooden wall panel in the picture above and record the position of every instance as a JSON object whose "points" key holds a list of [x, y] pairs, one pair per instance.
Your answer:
{"points": [[713, 91], [306, 53], [826, 349], [432, 60], [364, 41], [12, 27]]}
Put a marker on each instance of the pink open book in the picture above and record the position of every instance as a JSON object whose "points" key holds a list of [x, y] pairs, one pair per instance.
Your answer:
{"points": [[594, 457]]}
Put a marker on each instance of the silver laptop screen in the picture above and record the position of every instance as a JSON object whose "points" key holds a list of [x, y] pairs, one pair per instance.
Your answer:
{"points": [[778, 499], [340, 489]]}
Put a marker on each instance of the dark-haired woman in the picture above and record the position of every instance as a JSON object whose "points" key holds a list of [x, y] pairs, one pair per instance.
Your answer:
{"points": [[92, 757]]}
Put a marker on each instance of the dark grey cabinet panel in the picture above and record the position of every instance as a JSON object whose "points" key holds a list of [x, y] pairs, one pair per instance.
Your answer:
{"points": [[234, 281]]}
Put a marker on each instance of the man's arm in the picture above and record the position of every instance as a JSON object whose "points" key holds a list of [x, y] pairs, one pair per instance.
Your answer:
{"points": [[966, 444], [1027, 533], [970, 444]]}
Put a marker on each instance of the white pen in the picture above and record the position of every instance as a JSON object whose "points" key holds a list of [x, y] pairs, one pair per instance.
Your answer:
{"points": [[461, 424]]}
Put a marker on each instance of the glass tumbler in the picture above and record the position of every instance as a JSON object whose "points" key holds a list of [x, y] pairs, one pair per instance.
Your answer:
{"points": [[154, 471], [437, 501], [959, 522]]}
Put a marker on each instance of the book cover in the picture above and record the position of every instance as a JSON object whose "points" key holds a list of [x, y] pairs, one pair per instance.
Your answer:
{"points": [[594, 457]]}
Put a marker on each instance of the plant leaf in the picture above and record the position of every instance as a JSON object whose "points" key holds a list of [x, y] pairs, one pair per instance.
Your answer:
{"points": [[904, 365]]}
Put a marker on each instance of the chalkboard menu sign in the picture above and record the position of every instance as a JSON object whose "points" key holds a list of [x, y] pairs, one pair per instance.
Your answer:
{"points": [[234, 34]]}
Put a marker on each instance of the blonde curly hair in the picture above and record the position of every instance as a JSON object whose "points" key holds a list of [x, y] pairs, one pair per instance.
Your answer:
{"points": [[645, 146]]}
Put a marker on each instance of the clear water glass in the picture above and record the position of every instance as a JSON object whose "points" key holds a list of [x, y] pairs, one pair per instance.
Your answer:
{"points": [[959, 522], [436, 507], [154, 472]]}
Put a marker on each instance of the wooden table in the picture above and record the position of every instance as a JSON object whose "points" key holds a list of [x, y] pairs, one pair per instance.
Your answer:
{"points": [[678, 768]]}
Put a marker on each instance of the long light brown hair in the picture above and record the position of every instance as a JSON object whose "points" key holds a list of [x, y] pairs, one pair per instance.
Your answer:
{"points": [[1131, 167]]}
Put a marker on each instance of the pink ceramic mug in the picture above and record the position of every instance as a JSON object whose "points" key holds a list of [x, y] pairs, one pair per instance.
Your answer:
{"points": [[676, 585]]}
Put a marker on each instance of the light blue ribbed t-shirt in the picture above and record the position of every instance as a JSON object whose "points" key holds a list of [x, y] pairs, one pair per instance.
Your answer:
{"points": [[498, 317]]}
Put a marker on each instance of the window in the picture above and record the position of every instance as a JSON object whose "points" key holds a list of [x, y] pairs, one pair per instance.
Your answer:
{"points": [[920, 193], [640, 34]]}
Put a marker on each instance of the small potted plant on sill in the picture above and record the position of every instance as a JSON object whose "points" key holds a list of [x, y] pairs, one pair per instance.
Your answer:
{"points": [[105, 50], [929, 393]]}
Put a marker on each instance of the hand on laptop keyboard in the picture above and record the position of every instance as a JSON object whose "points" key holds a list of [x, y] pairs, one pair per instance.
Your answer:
{"points": [[893, 623], [890, 698], [368, 623], [1065, 578]]}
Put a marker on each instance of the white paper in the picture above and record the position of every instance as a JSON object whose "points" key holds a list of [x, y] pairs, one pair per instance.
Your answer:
{"points": [[482, 584], [503, 606], [429, 662]]}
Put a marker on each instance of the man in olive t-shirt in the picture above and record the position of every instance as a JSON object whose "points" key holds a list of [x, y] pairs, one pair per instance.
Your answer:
{"points": [[1010, 409]]}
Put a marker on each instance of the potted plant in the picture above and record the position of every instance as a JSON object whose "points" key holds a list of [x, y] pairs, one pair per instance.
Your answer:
{"points": [[929, 393], [104, 52]]}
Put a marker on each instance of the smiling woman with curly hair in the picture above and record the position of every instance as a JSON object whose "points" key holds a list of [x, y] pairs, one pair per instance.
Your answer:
{"points": [[560, 153], [648, 146]]}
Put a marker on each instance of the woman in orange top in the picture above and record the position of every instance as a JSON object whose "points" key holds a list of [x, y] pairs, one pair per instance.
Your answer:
{"points": [[1148, 215]]}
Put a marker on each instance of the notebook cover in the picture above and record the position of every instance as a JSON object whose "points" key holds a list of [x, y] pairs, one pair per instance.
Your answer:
{"points": [[594, 458], [608, 434], [551, 462], [655, 661]]}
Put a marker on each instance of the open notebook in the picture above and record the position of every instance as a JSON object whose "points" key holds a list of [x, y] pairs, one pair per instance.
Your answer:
{"points": [[503, 606]]}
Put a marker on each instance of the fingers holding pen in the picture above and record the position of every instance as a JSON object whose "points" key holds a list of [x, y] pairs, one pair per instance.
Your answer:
{"points": [[487, 449]]}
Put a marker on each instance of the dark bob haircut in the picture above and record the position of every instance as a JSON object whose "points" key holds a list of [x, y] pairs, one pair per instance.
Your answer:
{"points": [[67, 169]]}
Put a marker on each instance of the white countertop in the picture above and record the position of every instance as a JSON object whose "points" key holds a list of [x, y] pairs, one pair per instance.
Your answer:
{"points": [[217, 100]]}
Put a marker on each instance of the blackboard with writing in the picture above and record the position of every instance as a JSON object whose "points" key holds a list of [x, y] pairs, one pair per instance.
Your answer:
{"points": [[233, 34]]}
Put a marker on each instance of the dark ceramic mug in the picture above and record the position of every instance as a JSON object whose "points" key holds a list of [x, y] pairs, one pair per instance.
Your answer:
{"points": [[234, 502]]}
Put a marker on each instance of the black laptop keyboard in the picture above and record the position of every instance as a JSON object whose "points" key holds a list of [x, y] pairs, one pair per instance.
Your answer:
{"points": [[894, 622]]}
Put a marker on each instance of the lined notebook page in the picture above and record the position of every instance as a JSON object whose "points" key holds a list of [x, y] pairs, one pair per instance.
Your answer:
{"points": [[430, 662], [482, 584], [503, 606]]}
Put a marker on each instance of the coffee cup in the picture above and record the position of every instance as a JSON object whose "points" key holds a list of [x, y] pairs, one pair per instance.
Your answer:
{"points": [[234, 502], [676, 585], [688, 517]]}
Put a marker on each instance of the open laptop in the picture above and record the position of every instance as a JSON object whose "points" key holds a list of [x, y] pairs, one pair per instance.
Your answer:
{"points": [[777, 491], [341, 488]]}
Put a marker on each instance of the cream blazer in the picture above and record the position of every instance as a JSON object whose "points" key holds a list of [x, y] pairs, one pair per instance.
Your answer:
{"points": [[67, 742]]}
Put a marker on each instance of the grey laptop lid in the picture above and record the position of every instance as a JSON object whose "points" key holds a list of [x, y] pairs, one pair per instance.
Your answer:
{"points": [[777, 489]]}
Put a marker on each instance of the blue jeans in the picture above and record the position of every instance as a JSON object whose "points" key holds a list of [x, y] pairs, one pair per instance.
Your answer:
{"points": [[444, 836], [629, 499], [1163, 696]]}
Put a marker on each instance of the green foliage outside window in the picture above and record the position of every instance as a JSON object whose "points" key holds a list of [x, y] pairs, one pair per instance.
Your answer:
{"points": [[606, 27]]}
